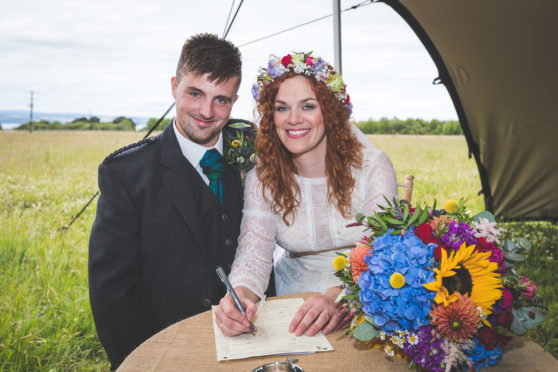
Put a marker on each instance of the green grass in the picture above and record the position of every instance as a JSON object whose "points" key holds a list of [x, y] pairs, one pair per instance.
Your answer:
{"points": [[46, 177]]}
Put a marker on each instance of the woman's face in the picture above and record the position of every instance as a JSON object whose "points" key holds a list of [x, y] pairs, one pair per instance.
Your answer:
{"points": [[298, 119]]}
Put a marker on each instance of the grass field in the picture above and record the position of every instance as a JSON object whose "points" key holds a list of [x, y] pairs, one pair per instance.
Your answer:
{"points": [[46, 177]]}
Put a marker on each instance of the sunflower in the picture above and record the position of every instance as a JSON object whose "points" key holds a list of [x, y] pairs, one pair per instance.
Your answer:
{"points": [[468, 272]]}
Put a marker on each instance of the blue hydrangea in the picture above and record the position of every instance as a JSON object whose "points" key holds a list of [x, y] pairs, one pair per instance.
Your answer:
{"points": [[406, 308], [482, 357]]}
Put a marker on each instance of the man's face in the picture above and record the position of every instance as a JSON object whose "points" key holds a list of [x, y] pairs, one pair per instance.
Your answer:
{"points": [[202, 107]]}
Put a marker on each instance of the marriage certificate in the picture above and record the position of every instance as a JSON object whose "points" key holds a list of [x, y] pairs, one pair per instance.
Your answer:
{"points": [[272, 336]]}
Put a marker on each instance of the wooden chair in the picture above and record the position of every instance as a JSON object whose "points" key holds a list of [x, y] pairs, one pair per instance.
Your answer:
{"points": [[407, 188]]}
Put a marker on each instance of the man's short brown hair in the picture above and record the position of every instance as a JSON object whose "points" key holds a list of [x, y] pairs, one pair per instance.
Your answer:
{"points": [[208, 54]]}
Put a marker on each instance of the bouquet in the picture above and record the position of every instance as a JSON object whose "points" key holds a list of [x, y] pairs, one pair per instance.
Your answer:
{"points": [[436, 287]]}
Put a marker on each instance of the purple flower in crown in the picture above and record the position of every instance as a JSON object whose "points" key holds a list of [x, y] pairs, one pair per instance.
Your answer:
{"points": [[275, 68], [255, 92], [318, 65]]}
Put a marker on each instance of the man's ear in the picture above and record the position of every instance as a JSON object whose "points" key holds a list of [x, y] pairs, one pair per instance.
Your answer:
{"points": [[235, 98], [173, 86]]}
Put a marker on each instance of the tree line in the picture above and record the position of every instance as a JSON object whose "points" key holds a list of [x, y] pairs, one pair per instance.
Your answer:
{"points": [[409, 126], [382, 126], [83, 123]]}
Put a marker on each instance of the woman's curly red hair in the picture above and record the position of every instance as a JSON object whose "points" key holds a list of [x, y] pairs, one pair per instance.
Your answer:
{"points": [[276, 168]]}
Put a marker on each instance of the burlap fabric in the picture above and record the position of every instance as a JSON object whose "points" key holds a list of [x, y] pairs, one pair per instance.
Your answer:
{"points": [[189, 345]]}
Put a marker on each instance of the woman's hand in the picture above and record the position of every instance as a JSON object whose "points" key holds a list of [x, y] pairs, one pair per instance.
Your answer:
{"points": [[318, 312], [229, 319]]}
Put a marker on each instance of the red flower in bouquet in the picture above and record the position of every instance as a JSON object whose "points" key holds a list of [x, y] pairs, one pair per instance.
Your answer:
{"points": [[425, 233], [490, 337], [438, 252], [505, 319]]}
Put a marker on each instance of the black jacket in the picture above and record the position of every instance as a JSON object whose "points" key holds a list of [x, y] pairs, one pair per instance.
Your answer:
{"points": [[157, 238]]}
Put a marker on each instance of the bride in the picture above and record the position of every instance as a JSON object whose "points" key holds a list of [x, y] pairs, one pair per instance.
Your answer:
{"points": [[315, 171]]}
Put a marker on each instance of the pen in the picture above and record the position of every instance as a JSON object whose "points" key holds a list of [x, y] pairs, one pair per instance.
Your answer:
{"points": [[235, 298]]}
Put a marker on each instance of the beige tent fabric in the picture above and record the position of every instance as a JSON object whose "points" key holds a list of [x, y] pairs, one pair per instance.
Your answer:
{"points": [[499, 62]]}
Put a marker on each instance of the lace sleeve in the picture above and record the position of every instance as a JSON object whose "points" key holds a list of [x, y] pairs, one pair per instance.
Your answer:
{"points": [[381, 181], [253, 260]]}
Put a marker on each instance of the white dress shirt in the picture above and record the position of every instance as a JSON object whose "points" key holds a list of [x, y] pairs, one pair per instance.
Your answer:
{"points": [[194, 152]]}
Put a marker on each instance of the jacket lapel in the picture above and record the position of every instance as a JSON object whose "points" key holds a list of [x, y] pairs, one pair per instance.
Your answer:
{"points": [[178, 180]]}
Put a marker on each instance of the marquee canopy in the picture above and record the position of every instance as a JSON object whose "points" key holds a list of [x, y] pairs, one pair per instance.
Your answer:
{"points": [[499, 61]]}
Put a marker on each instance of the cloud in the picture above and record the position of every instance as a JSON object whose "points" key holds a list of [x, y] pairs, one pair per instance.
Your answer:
{"points": [[117, 57]]}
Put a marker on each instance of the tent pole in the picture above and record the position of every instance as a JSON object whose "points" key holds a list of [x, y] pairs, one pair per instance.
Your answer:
{"points": [[337, 35]]}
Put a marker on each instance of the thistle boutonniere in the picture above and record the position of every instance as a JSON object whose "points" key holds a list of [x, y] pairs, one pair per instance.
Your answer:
{"points": [[239, 145]]}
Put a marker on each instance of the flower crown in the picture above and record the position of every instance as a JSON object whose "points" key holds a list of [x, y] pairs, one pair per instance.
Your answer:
{"points": [[304, 64]]}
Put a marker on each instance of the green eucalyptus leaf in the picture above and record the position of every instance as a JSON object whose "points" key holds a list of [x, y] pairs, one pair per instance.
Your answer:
{"points": [[486, 214], [365, 332], [524, 243], [369, 320], [508, 246], [396, 232], [525, 318], [512, 256]]}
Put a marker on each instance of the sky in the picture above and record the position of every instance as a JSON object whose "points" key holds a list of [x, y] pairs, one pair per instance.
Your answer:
{"points": [[116, 57]]}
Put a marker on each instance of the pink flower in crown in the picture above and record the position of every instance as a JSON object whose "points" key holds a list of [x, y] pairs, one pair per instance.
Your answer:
{"points": [[309, 61], [529, 293], [287, 60]]}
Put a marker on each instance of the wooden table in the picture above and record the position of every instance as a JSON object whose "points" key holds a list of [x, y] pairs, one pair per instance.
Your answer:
{"points": [[189, 345]]}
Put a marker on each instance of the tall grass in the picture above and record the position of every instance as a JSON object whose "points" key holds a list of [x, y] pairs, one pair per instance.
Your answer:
{"points": [[46, 177], [45, 318]]}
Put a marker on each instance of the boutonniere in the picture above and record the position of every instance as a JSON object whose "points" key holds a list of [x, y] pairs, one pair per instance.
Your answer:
{"points": [[239, 145]]}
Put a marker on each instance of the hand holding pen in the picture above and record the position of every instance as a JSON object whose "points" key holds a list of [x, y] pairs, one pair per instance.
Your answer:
{"points": [[234, 312]]}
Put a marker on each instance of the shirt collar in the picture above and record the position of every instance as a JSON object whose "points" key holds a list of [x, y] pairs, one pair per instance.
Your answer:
{"points": [[193, 151]]}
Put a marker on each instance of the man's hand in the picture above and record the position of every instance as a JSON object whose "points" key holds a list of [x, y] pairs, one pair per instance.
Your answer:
{"points": [[318, 312], [229, 319]]}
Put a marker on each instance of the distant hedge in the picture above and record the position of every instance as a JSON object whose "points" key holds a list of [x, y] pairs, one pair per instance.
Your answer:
{"points": [[409, 126], [162, 125], [93, 123]]}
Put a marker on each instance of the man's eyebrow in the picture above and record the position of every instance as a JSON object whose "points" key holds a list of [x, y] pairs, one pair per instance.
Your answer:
{"points": [[194, 89], [225, 97]]}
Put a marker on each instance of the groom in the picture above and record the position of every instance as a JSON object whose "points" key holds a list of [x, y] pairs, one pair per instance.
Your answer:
{"points": [[166, 219]]}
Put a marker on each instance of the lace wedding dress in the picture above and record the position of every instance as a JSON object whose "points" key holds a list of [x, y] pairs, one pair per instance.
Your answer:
{"points": [[317, 232]]}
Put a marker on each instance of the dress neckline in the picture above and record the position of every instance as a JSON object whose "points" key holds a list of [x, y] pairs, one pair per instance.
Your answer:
{"points": [[311, 180]]}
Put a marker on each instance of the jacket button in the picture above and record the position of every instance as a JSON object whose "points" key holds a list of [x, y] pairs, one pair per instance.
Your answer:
{"points": [[206, 303], [228, 242], [224, 217]]}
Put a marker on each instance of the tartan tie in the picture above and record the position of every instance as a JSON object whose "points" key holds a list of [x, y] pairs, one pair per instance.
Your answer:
{"points": [[213, 167]]}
